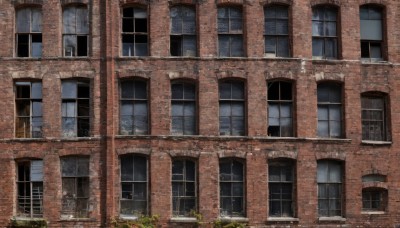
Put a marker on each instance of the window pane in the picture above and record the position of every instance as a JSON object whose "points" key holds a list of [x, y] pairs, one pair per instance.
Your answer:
{"points": [[189, 46], [23, 20], [140, 168], [69, 89], [36, 20], [223, 46], [37, 170], [371, 29], [236, 46], [283, 47], [82, 20], [126, 168], [69, 20], [317, 47]]}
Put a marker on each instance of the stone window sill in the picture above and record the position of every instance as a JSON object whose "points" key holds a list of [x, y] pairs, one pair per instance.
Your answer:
{"points": [[183, 220], [332, 219], [382, 143], [282, 219], [373, 213], [233, 219]]}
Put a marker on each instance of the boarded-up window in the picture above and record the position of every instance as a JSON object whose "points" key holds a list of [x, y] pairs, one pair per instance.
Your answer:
{"points": [[281, 189], [329, 97], [184, 188], [30, 188], [75, 108], [276, 31], [324, 32], [183, 111], [75, 187], [231, 181], [76, 31], [29, 32], [134, 32], [371, 32], [133, 108], [134, 180], [183, 40], [230, 32], [28, 101], [280, 109], [373, 117], [231, 108], [330, 179]]}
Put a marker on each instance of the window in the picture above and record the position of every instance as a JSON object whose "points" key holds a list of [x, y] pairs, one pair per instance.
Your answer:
{"points": [[134, 32], [324, 40], [373, 117], [29, 32], [280, 108], [183, 108], [183, 31], [231, 108], [231, 193], [280, 186], [374, 199], [329, 178], [28, 101], [76, 31], [184, 192], [30, 188], [133, 200], [75, 108], [230, 32], [276, 31], [329, 97], [371, 32], [75, 187], [133, 110]]}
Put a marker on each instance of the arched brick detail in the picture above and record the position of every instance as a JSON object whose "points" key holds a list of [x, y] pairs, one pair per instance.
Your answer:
{"points": [[282, 154], [373, 171], [282, 75], [69, 2], [134, 73], [325, 2], [327, 76], [29, 155], [268, 2], [381, 3], [231, 154], [184, 154], [341, 156], [26, 2], [227, 2], [139, 2], [183, 2], [79, 152], [139, 151], [76, 74], [26, 75], [231, 74], [374, 184], [174, 75]]}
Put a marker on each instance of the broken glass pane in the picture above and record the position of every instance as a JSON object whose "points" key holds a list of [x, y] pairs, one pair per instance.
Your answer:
{"points": [[68, 126], [82, 187]]}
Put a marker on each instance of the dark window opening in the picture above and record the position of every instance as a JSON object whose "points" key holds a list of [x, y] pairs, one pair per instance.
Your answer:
{"points": [[29, 32], [371, 29], [329, 96], [374, 199], [183, 31], [134, 32], [75, 108], [230, 32], [324, 32], [184, 188], [76, 31], [280, 109], [231, 108], [276, 31], [183, 111], [373, 118]]}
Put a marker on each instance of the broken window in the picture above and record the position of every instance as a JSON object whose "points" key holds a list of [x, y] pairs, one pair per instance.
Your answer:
{"points": [[29, 32], [231, 181], [230, 32], [373, 118], [231, 108], [184, 192], [330, 179], [280, 109], [329, 97], [183, 31], [134, 186], [30, 188], [133, 109], [76, 31], [134, 32], [324, 32], [183, 111], [75, 108], [280, 185], [276, 31], [28, 101], [75, 187], [371, 32]]}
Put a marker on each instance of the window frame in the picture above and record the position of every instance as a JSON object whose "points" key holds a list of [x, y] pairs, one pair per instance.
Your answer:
{"points": [[76, 34], [132, 182], [339, 184], [282, 164], [329, 105], [275, 35], [32, 100], [370, 42], [65, 100], [231, 34], [385, 132], [232, 101], [135, 33], [30, 182], [368, 198], [133, 101], [279, 102], [336, 38], [30, 34], [184, 102], [76, 178], [182, 35], [184, 182], [241, 214]]}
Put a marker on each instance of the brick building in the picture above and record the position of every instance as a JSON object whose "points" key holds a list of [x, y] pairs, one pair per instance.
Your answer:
{"points": [[266, 112]]}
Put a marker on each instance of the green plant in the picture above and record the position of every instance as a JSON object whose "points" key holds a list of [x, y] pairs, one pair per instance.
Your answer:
{"points": [[28, 223], [220, 224], [140, 222], [198, 216]]}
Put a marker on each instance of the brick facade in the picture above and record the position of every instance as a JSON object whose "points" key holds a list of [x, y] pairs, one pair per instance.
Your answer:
{"points": [[105, 68]]}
